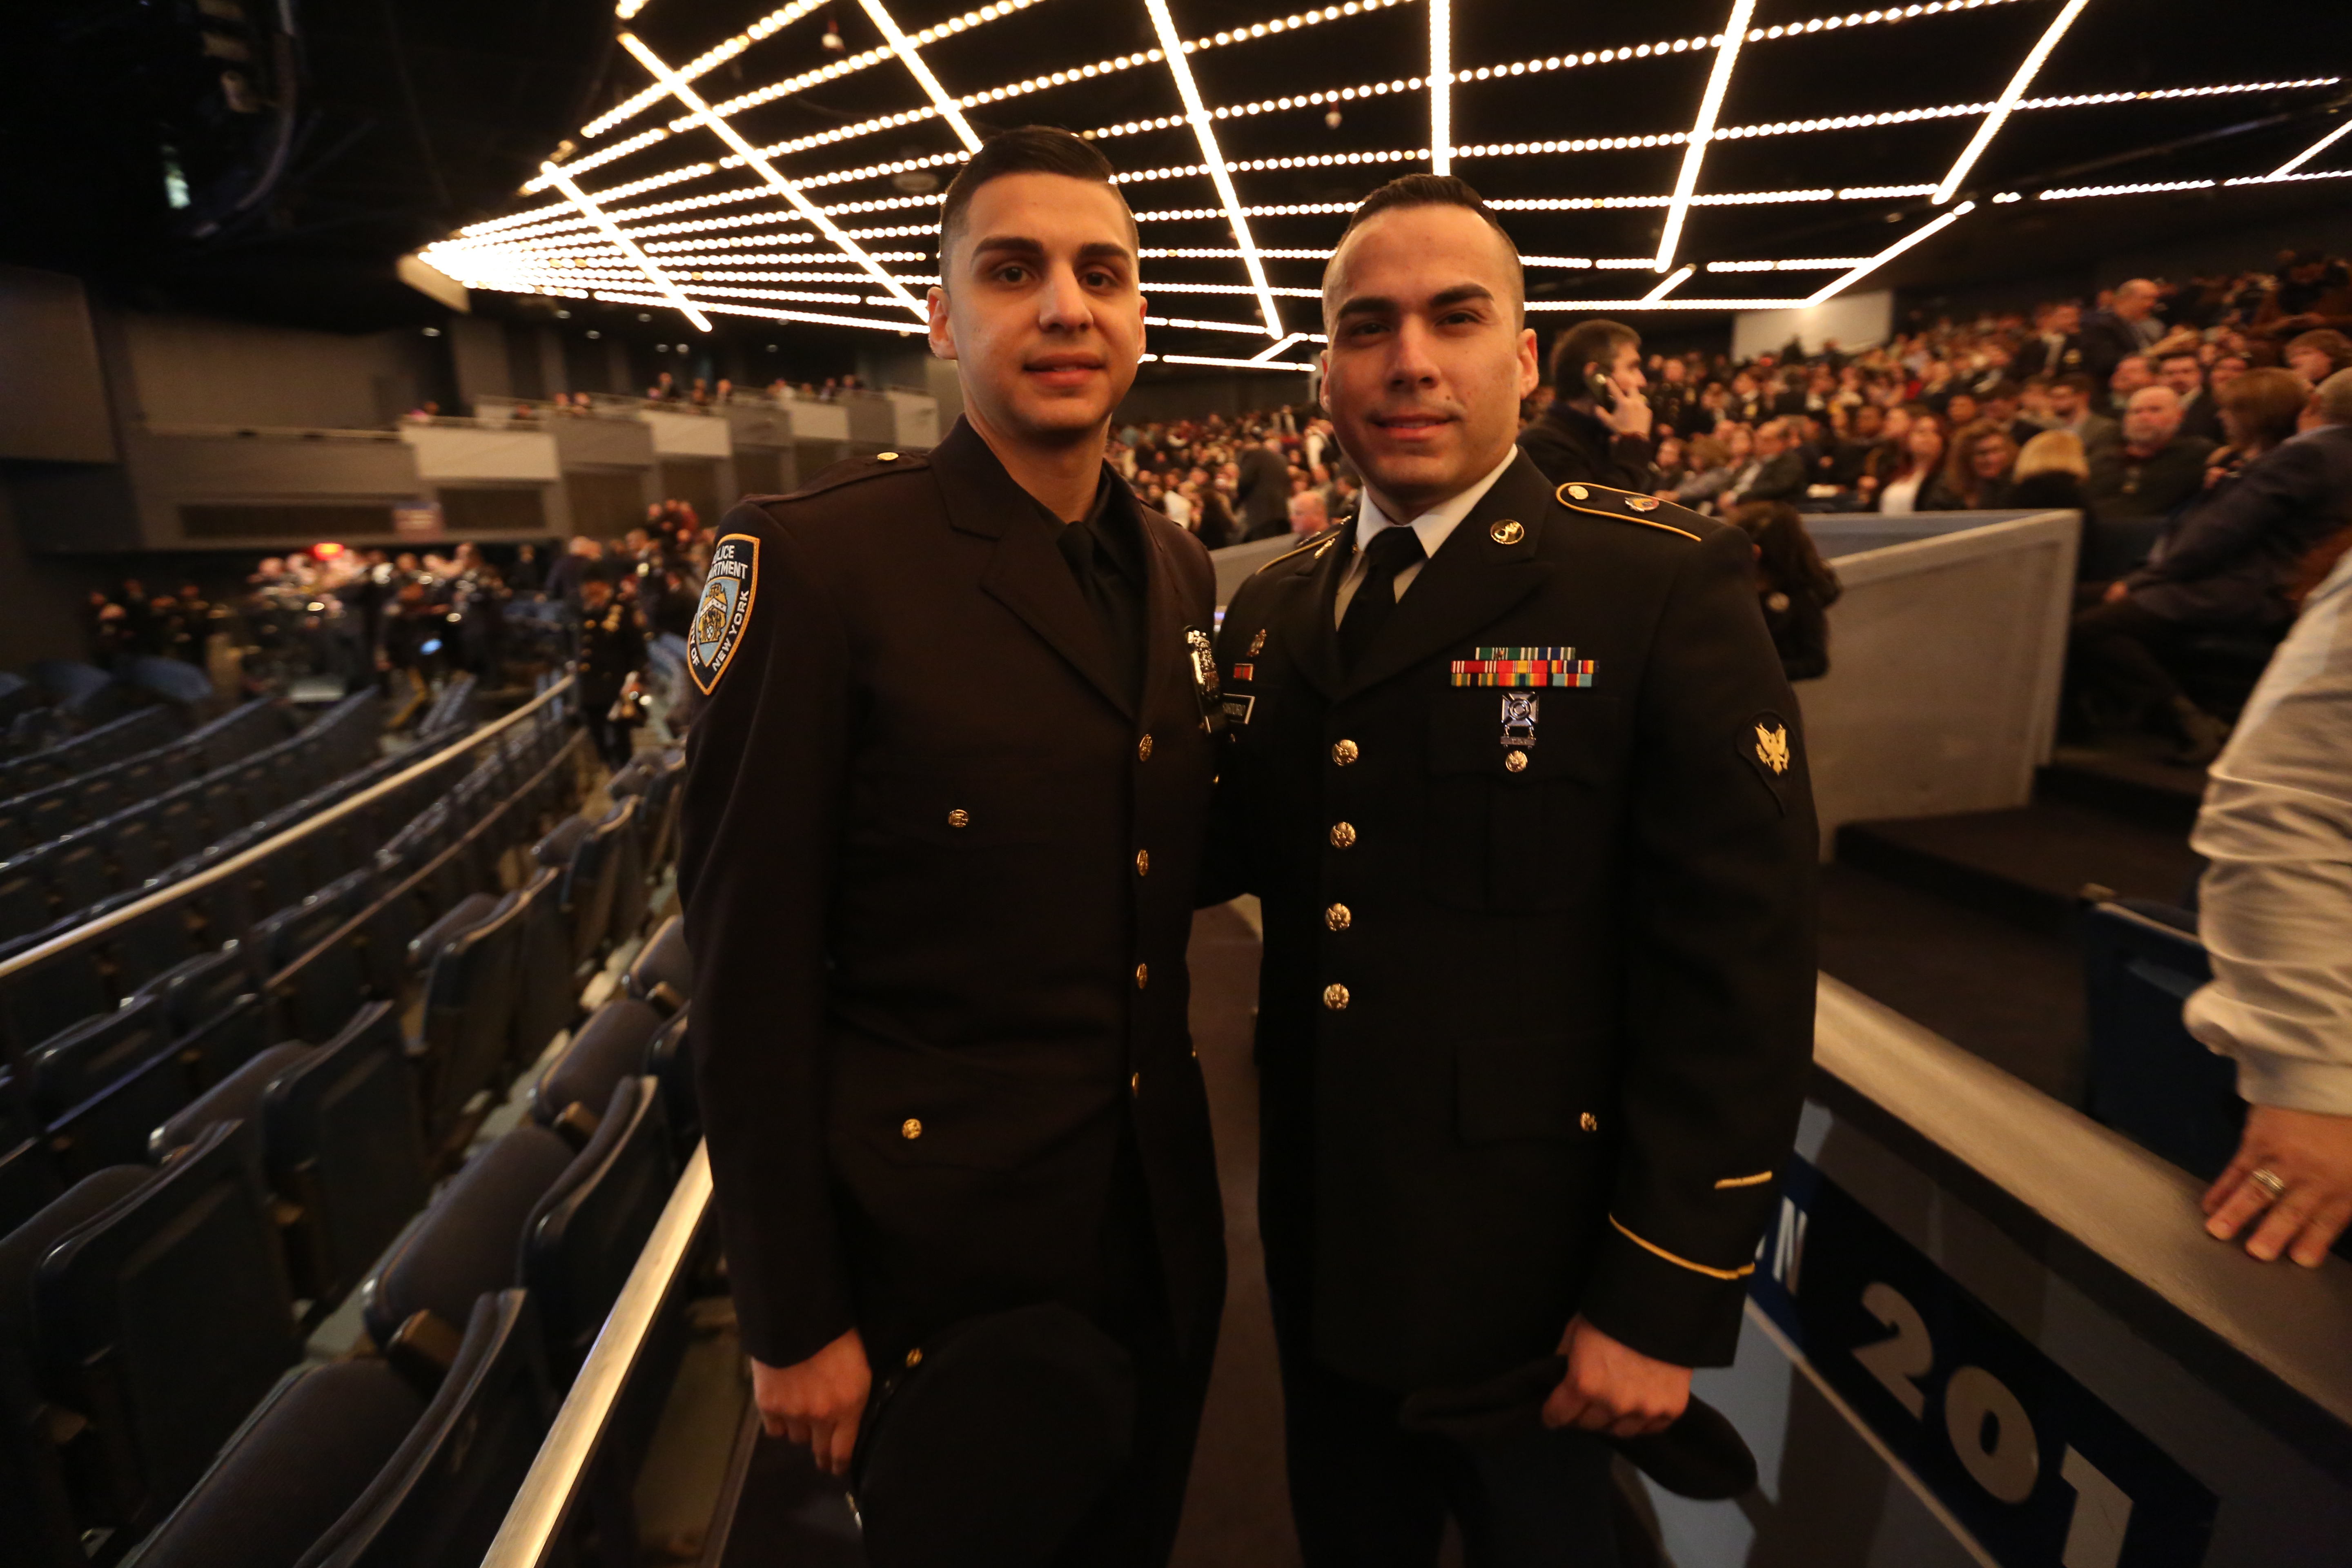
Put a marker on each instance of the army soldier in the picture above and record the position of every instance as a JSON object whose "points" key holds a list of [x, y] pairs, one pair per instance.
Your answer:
{"points": [[612, 649], [943, 814], [1515, 774]]}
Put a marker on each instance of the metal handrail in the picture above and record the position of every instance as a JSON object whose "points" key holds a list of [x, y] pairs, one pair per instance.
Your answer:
{"points": [[163, 898], [548, 1492]]}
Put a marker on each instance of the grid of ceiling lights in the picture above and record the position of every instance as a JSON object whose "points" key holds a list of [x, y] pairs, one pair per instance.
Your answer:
{"points": [[710, 241]]}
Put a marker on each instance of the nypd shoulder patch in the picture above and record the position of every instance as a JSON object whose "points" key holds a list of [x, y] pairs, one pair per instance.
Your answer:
{"points": [[725, 609]]}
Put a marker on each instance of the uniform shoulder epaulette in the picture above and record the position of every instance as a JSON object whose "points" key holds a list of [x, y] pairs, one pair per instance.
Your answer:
{"points": [[850, 470], [1319, 544], [1632, 505]]}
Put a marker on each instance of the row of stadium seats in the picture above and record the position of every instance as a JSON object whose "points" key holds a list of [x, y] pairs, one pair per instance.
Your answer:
{"points": [[142, 731], [273, 1189], [154, 825]]}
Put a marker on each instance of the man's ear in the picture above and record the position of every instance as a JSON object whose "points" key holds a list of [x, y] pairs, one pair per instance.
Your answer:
{"points": [[942, 335]]}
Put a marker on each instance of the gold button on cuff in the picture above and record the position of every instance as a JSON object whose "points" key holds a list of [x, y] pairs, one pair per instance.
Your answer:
{"points": [[1142, 975], [1515, 761], [1588, 1121], [1346, 752], [1343, 835], [1143, 750], [1338, 916], [910, 1129], [1336, 998], [959, 817], [915, 1358], [1143, 862]]}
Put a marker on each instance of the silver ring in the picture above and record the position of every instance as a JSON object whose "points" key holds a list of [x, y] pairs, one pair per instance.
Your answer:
{"points": [[2273, 1186]]}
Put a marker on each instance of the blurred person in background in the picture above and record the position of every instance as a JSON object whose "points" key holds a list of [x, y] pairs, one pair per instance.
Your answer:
{"points": [[1976, 474], [1917, 483], [1596, 430], [1794, 585], [612, 649], [2156, 467], [1772, 472]]}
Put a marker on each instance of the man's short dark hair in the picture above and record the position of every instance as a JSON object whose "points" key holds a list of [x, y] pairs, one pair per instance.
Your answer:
{"points": [[1434, 191], [1030, 150], [2076, 382], [1595, 342]]}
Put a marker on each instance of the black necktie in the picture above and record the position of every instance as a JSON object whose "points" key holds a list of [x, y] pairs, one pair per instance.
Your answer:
{"points": [[1390, 552]]}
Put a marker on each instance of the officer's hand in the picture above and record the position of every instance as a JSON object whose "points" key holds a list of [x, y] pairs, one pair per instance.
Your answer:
{"points": [[2311, 1152], [1612, 1387], [817, 1403]]}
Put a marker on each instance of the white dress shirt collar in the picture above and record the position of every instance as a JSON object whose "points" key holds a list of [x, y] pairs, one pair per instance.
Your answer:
{"points": [[1435, 524]]}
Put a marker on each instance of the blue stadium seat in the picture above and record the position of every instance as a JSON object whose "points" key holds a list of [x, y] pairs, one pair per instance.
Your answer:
{"points": [[226, 1041], [663, 972], [199, 989], [77, 871], [178, 820], [584, 1235], [2149, 1077], [584, 852], [628, 854], [439, 1501], [546, 1001], [139, 851], [235, 1102], [147, 946], [469, 1003], [317, 983], [116, 1123], [294, 1469], [50, 996], [610, 1047], [669, 1061], [164, 1319], [49, 1467], [27, 1179], [469, 1241], [76, 1063], [24, 903]]}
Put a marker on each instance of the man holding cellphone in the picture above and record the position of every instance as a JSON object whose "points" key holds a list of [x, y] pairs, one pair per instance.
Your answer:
{"points": [[1596, 427]]}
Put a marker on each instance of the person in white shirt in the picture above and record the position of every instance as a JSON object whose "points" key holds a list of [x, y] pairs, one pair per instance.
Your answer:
{"points": [[2275, 915]]}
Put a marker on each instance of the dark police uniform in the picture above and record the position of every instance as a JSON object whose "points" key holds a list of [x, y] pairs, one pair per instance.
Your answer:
{"points": [[940, 847], [1536, 1003], [612, 649]]}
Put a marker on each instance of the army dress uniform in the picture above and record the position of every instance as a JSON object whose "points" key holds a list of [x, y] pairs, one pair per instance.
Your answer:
{"points": [[1535, 1008], [940, 837], [612, 649]]}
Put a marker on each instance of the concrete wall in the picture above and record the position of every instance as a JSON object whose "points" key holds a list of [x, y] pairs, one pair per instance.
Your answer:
{"points": [[53, 402], [184, 370], [1851, 321], [1946, 655]]}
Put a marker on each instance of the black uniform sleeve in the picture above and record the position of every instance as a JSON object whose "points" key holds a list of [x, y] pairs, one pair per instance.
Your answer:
{"points": [[765, 762], [1720, 968]]}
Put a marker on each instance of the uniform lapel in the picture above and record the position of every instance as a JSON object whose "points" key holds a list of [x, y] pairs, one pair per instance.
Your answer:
{"points": [[1473, 579], [1307, 630], [1163, 617], [1025, 573]]}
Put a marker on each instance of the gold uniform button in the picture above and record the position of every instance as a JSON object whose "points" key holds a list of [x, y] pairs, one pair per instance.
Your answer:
{"points": [[1343, 835], [1579, 493], [1338, 916], [1507, 532], [888, 458], [1336, 998], [1143, 750], [1143, 862], [910, 1129], [915, 1358], [1135, 1083], [959, 817], [1516, 760], [1346, 752], [1142, 975], [1588, 1121]]}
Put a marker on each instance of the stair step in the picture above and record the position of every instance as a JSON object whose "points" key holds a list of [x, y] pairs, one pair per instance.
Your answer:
{"points": [[2138, 786], [2026, 865]]}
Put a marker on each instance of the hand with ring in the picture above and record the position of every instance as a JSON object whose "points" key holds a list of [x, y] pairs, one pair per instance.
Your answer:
{"points": [[2293, 1169]]}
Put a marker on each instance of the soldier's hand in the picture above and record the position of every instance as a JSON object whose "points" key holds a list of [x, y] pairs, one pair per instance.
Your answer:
{"points": [[1612, 1387], [817, 1403]]}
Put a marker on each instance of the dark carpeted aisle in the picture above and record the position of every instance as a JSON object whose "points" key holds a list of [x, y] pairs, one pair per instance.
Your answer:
{"points": [[1236, 1514]]}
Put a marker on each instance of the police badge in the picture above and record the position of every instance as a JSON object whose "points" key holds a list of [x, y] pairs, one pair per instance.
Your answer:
{"points": [[725, 609], [1202, 657]]}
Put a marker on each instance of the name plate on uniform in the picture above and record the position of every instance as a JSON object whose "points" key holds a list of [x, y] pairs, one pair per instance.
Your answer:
{"points": [[1522, 666], [2039, 1468]]}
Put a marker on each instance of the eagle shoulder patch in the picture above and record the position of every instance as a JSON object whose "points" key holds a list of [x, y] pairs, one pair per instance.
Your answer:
{"points": [[725, 609]]}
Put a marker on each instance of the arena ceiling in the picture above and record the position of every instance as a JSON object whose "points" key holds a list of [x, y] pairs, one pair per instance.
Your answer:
{"points": [[1683, 157]]}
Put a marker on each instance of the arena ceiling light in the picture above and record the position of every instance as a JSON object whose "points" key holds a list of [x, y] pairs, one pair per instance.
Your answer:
{"points": [[1441, 85], [766, 171], [645, 264], [1854, 275], [2314, 150], [1991, 127], [1172, 47], [1726, 55], [906, 54]]}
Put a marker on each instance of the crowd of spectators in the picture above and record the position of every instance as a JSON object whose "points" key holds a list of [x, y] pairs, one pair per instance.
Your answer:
{"points": [[2185, 422]]}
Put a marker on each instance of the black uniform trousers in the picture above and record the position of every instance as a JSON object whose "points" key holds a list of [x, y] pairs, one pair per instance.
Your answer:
{"points": [[613, 742]]}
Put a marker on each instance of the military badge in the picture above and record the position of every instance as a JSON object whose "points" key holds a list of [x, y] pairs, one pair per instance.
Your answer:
{"points": [[1257, 643], [1772, 745], [1642, 503], [725, 610], [1520, 710], [1522, 666], [1202, 657]]}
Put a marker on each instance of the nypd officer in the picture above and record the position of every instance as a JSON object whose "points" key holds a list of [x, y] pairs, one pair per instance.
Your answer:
{"points": [[944, 814], [1516, 774]]}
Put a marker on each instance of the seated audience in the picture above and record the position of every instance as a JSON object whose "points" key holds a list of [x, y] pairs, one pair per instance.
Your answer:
{"points": [[1794, 584], [1596, 429], [2070, 409], [1917, 481], [2316, 356], [2156, 468], [1713, 461], [2224, 563], [1976, 475], [1772, 472], [1306, 514], [2184, 373]]}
